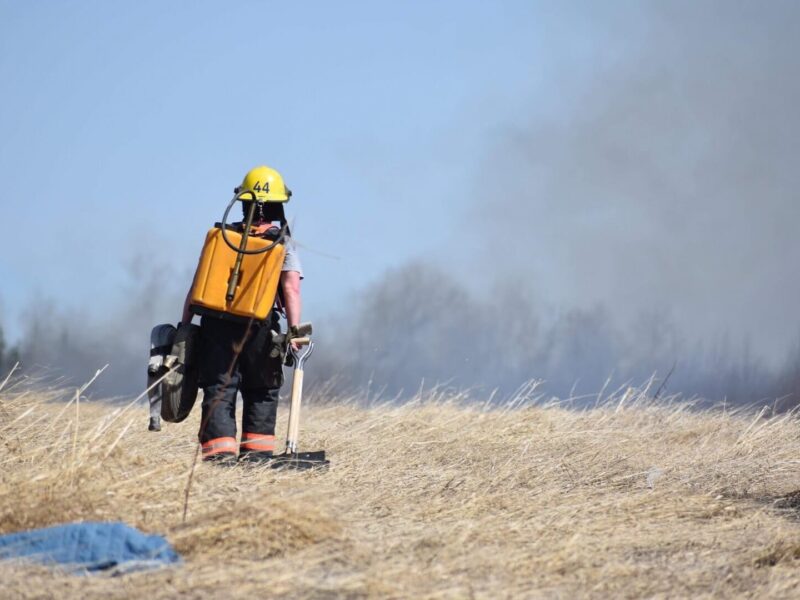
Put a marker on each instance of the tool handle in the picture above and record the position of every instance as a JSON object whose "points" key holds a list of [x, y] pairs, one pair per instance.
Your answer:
{"points": [[302, 341], [294, 411]]}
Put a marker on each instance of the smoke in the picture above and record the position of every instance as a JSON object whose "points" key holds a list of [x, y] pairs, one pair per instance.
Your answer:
{"points": [[672, 184], [419, 325], [654, 221], [75, 343]]}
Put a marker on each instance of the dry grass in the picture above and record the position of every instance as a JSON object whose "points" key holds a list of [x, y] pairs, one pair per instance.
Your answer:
{"points": [[434, 499]]}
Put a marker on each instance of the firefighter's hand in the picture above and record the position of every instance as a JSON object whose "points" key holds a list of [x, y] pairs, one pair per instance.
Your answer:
{"points": [[295, 346]]}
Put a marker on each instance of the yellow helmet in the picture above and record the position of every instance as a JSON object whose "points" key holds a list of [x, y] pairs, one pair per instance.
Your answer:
{"points": [[266, 184]]}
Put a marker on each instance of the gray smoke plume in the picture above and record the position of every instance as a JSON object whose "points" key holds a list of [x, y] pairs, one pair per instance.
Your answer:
{"points": [[654, 224], [420, 326], [673, 184], [75, 343]]}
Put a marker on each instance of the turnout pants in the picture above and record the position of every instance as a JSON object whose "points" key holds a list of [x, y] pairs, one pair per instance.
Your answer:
{"points": [[236, 357]]}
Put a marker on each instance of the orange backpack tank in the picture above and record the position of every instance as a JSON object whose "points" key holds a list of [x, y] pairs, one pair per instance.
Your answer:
{"points": [[257, 285]]}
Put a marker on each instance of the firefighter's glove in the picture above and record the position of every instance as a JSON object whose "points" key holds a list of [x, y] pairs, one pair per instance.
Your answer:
{"points": [[278, 347]]}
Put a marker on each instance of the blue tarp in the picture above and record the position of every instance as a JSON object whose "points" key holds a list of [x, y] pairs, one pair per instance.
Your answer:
{"points": [[90, 547]]}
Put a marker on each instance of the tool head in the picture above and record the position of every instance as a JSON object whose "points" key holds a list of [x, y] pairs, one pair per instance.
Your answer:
{"points": [[302, 329], [301, 461]]}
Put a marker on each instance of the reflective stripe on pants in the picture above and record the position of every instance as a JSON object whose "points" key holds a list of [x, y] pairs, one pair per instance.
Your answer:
{"points": [[257, 442], [219, 445]]}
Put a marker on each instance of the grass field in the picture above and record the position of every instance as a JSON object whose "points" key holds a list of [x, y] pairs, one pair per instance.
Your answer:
{"points": [[437, 498]]}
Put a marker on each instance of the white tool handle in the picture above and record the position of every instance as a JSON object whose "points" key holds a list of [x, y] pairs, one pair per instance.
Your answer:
{"points": [[300, 358], [294, 411]]}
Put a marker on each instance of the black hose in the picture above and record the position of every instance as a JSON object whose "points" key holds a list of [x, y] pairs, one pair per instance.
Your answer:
{"points": [[223, 226]]}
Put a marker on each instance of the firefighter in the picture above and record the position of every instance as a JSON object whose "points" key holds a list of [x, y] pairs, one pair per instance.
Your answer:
{"points": [[238, 355]]}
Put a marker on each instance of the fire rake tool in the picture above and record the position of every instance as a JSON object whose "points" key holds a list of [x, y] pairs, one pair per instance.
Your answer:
{"points": [[291, 458]]}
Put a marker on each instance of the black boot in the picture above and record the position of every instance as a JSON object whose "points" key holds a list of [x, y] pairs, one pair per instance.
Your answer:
{"points": [[255, 458], [223, 459]]}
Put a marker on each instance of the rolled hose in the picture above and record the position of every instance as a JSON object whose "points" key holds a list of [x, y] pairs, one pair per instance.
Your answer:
{"points": [[223, 226]]}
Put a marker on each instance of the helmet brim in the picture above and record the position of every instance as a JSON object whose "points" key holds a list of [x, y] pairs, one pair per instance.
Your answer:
{"points": [[250, 196]]}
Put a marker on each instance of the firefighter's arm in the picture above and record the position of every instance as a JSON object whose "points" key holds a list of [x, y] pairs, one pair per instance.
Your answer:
{"points": [[290, 282]]}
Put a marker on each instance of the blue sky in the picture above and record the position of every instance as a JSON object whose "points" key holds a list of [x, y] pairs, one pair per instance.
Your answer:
{"points": [[125, 126]]}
